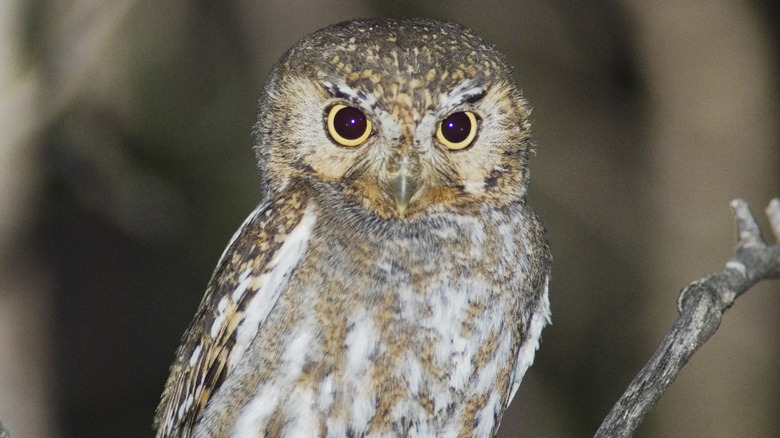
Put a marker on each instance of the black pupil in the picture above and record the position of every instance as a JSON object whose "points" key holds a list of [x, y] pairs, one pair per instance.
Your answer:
{"points": [[350, 123], [456, 127]]}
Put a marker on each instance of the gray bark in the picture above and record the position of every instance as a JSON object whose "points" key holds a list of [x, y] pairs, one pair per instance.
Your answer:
{"points": [[701, 306]]}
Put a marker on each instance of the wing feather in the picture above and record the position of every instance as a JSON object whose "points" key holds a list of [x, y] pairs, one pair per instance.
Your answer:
{"points": [[273, 238], [525, 356]]}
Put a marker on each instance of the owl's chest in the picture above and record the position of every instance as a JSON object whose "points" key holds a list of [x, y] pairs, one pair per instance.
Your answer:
{"points": [[405, 287], [408, 332]]}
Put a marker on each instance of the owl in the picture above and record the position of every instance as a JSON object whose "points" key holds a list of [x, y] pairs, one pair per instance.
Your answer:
{"points": [[393, 281]]}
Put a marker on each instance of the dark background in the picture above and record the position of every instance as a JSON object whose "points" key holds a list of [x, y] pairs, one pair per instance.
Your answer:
{"points": [[126, 166]]}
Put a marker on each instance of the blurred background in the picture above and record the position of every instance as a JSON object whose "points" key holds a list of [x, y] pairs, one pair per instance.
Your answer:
{"points": [[126, 166]]}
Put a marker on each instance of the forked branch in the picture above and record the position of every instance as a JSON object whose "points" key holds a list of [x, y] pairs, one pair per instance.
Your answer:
{"points": [[701, 307]]}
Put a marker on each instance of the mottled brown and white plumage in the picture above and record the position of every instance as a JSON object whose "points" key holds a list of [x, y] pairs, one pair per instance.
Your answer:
{"points": [[393, 282]]}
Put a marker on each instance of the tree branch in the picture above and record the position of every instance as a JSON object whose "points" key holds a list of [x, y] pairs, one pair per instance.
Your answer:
{"points": [[701, 307]]}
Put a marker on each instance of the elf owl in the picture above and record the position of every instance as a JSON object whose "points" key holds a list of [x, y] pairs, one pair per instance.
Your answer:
{"points": [[393, 282]]}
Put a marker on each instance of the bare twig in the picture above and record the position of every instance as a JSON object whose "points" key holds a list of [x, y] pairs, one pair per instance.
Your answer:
{"points": [[701, 307]]}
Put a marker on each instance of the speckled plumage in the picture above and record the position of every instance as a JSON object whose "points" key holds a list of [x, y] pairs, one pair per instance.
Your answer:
{"points": [[338, 310]]}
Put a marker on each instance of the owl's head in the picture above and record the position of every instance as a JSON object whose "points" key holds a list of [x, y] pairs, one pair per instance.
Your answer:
{"points": [[401, 117]]}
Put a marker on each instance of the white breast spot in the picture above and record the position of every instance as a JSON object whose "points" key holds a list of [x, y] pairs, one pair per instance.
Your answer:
{"points": [[302, 420], [297, 349], [361, 342], [255, 413], [325, 393]]}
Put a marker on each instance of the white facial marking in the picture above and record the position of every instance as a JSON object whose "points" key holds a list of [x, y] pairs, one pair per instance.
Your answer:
{"points": [[391, 129], [459, 94], [474, 187]]}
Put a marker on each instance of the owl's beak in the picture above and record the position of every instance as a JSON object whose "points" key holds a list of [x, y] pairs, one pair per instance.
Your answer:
{"points": [[404, 172]]}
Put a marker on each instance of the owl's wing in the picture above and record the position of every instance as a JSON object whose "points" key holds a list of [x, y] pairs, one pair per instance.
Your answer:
{"points": [[248, 280], [540, 317]]}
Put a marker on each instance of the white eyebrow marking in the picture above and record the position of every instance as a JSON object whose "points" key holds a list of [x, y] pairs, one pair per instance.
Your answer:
{"points": [[462, 93], [367, 100]]}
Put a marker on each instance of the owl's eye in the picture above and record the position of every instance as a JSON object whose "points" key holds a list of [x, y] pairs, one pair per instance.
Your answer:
{"points": [[348, 126], [458, 130]]}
